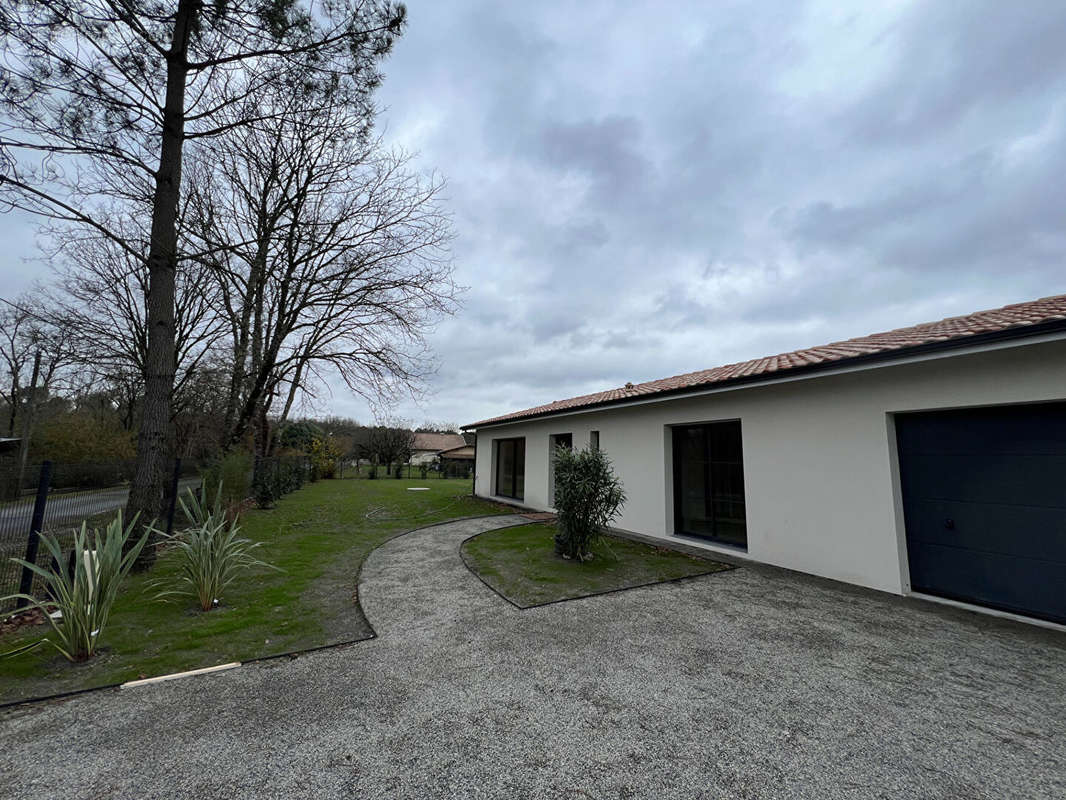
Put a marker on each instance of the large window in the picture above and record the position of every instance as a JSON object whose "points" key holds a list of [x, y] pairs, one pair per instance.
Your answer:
{"points": [[709, 482], [511, 468]]}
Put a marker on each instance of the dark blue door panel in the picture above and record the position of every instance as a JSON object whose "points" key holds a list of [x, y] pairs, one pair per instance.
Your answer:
{"points": [[1024, 586], [984, 496]]}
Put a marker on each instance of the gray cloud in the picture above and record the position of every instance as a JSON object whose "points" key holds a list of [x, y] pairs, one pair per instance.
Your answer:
{"points": [[646, 189]]}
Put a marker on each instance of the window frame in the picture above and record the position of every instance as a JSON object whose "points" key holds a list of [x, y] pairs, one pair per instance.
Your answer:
{"points": [[553, 442], [710, 493], [519, 445]]}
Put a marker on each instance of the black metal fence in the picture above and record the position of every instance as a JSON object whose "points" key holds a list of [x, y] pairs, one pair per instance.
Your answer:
{"points": [[446, 469], [56, 499], [273, 478]]}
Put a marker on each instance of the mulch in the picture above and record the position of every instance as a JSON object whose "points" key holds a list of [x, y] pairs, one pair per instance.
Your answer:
{"points": [[32, 616]]}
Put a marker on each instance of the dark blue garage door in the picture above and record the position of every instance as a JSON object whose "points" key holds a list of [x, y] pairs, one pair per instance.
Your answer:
{"points": [[984, 495]]}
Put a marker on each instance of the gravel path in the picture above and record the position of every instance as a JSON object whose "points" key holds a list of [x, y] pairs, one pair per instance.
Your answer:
{"points": [[417, 583], [748, 683]]}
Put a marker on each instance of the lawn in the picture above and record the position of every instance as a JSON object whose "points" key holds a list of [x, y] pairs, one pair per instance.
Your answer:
{"points": [[520, 563], [319, 535]]}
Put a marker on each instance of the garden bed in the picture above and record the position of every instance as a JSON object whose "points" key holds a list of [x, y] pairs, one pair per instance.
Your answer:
{"points": [[520, 564]]}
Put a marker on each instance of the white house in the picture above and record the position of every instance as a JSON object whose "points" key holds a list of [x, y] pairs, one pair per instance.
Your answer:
{"points": [[928, 460]]}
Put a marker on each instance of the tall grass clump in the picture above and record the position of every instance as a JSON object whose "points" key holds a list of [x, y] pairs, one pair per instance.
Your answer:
{"points": [[84, 594], [211, 553]]}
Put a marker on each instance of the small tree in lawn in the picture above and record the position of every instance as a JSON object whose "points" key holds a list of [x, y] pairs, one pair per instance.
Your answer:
{"points": [[588, 496]]}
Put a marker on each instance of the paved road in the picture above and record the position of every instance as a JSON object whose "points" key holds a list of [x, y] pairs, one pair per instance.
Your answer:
{"points": [[752, 683], [67, 508]]}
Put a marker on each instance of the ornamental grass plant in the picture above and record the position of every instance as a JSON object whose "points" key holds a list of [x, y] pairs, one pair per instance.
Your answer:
{"points": [[80, 597], [211, 553]]}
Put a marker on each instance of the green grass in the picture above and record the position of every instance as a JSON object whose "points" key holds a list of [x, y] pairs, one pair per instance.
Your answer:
{"points": [[520, 563], [318, 535]]}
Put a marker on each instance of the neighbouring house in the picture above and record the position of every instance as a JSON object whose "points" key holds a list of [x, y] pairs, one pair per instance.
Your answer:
{"points": [[928, 460], [428, 445], [458, 461]]}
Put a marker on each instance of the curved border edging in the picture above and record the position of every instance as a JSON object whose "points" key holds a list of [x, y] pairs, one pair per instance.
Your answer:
{"points": [[462, 557], [291, 654]]}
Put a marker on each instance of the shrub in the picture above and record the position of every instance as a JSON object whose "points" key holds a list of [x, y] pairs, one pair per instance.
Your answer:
{"points": [[399, 471], [266, 485], [85, 594], [276, 477], [422, 472], [210, 553], [232, 474], [300, 435], [372, 472], [587, 497], [83, 436], [324, 455]]}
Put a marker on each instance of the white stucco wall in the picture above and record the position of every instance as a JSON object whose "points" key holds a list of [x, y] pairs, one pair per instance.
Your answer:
{"points": [[821, 483]]}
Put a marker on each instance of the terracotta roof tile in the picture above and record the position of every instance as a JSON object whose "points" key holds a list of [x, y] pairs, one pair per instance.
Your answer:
{"points": [[437, 441], [1048, 309]]}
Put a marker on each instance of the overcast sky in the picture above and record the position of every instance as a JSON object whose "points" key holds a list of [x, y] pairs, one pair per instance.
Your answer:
{"points": [[645, 189]]}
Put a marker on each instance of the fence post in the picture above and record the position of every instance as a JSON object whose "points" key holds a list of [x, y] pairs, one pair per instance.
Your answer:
{"points": [[36, 523], [173, 496]]}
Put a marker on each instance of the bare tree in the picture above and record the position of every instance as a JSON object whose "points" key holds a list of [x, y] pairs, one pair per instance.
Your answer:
{"points": [[101, 297], [35, 356], [330, 255], [429, 426], [108, 92], [16, 355], [388, 445]]}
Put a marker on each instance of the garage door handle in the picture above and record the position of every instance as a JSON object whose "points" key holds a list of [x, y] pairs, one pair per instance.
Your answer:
{"points": [[949, 524]]}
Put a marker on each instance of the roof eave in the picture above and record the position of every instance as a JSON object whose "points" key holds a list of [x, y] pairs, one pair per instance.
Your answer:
{"points": [[873, 359]]}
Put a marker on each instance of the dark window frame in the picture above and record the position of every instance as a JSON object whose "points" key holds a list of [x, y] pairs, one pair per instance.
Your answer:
{"points": [[518, 461], [555, 437], [553, 442], [710, 492]]}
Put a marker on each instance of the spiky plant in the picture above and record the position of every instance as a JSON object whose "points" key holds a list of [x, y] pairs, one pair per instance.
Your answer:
{"points": [[85, 594], [210, 553]]}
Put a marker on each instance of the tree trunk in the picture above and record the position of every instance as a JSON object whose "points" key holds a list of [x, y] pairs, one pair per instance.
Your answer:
{"points": [[27, 419], [149, 487], [14, 403]]}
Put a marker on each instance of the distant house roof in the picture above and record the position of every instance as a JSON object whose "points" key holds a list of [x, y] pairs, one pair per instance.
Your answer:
{"points": [[1010, 322], [435, 442], [464, 453]]}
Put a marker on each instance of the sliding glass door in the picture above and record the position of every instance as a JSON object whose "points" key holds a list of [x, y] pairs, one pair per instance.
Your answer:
{"points": [[709, 482], [511, 468]]}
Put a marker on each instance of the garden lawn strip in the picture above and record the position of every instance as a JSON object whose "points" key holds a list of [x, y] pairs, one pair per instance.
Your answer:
{"points": [[318, 536], [521, 565]]}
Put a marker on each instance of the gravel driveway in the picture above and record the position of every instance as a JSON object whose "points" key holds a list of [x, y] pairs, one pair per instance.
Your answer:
{"points": [[748, 683]]}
